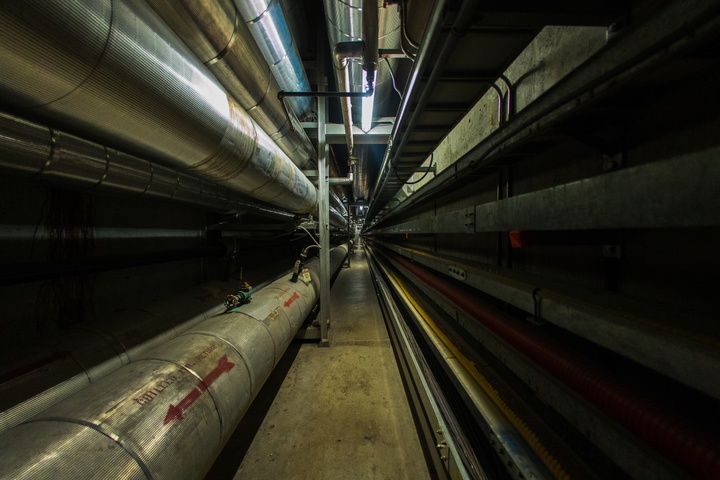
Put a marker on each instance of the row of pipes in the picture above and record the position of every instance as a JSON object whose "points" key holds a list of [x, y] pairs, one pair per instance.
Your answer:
{"points": [[161, 405], [676, 436], [116, 74], [192, 119]]}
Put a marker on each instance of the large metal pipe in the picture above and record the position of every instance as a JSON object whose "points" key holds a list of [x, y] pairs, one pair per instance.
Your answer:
{"points": [[115, 73], [32, 151], [345, 24], [268, 25], [218, 36], [168, 414], [370, 39], [360, 182], [42, 373], [342, 53]]}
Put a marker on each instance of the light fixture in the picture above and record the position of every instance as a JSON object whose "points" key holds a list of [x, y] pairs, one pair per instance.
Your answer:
{"points": [[367, 112]]}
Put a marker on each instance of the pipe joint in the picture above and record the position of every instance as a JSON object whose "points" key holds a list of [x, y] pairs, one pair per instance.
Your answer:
{"points": [[345, 50]]}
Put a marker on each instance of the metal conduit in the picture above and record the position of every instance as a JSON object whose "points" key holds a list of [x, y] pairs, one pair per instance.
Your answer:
{"points": [[35, 152], [49, 370], [114, 72], [218, 36], [360, 182], [168, 414], [269, 28], [650, 419], [344, 23], [342, 53], [431, 37]]}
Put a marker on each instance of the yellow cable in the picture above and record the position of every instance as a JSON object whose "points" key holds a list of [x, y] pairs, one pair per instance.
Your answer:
{"points": [[552, 463]]}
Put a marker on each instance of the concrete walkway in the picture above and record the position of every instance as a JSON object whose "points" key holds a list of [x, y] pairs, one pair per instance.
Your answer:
{"points": [[341, 412]]}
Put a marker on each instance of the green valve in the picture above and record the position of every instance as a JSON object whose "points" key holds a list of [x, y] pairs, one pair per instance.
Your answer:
{"points": [[243, 296]]}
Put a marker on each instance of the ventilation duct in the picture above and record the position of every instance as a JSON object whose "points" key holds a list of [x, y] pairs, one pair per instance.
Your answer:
{"points": [[34, 152], [267, 23], [114, 72], [221, 40]]}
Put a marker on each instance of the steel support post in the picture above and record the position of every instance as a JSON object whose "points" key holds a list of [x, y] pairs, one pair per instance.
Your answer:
{"points": [[349, 236], [324, 210]]}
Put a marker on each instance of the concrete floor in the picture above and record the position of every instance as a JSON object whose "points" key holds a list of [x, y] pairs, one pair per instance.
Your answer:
{"points": [[341, 412]]}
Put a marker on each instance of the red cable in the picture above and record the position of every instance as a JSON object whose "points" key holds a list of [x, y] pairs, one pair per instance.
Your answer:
{"points": [[651, 420]]}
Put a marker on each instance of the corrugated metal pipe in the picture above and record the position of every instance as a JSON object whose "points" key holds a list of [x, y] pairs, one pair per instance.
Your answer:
{"points": [[360, 183], [268, 26], [114, 73], [38, 153], [218, 36], [342, 52], [168, 414], [41, 374]]}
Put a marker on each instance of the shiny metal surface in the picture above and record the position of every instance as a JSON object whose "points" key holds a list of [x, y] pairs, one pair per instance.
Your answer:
{"points": [[215, 32], [337, 219], [360, 181], [344, 23], [370, 37], [29, 150], [42, 374], [90, 454], [298, 25], [171, 411], [115, 73], [268, 26], [343, 54]]}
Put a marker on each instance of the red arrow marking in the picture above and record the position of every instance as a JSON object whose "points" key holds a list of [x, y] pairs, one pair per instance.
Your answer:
{"points": [[294, 297], [176, 411]]}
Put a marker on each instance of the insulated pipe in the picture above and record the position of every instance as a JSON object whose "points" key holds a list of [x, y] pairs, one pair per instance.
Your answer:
{"points": [[35, 152], [337, 219], [370, 39], [46, 371], [218, 36], [650, 419], [341, 53], [115, 73], [268, 26], [337, 204], [360, 182], [167, 415]]}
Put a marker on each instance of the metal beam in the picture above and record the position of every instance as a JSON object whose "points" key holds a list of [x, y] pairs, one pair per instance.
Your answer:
{"points": [[637, 331], [324, 211], [639, 459], [625, 199], [676, 28], [335, 133]]}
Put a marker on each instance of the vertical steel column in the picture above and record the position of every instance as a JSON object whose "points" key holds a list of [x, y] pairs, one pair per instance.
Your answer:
{"points": [[324, 190], [349, 237]]}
